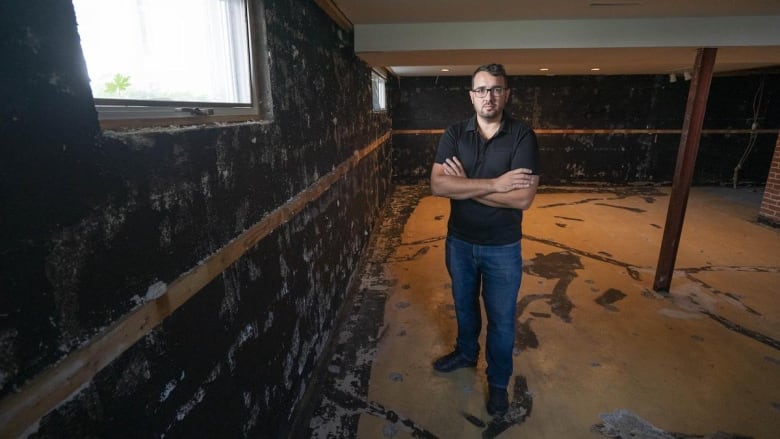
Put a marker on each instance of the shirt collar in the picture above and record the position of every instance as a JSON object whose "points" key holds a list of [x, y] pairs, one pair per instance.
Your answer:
{"points": [[503, 128]]}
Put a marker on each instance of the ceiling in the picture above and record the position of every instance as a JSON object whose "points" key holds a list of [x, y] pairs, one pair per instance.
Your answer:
{"points": [[567, 37]]}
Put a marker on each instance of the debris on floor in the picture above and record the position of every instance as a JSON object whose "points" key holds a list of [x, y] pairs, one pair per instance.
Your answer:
{"points": [[625, 424]]}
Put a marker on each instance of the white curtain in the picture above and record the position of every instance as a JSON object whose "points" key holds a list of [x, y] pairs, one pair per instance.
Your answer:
{"points": [[181, 50]]}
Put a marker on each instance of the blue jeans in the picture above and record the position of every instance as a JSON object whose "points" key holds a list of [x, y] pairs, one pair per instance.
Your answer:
{"points": [[497, 269]]}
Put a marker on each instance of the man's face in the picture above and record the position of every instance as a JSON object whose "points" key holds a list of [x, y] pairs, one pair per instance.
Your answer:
{"points": [[490, 106]]}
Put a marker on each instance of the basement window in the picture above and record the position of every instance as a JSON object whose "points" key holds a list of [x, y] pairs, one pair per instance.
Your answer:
{"points": [[378, 96], [173, 61]]}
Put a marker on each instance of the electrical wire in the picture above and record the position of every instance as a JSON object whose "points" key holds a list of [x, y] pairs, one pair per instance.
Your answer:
{"points": [[753, 125]]}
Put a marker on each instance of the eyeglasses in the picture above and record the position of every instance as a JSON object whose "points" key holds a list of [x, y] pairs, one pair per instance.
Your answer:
{"points": [[481, 92]]}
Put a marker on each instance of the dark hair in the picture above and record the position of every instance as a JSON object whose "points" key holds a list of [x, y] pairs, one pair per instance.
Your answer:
{"points": [[493, 69]]}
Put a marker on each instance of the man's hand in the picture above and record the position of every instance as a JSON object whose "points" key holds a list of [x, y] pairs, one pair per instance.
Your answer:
{"points": [[453, 167], [520, 178]]}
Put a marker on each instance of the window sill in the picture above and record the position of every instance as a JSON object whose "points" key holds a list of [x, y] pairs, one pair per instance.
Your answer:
{"points": [[174, 122]]}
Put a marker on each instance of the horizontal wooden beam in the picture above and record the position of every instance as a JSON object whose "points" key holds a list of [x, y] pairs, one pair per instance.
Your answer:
{"points": [[543, 131], [21, 410]]}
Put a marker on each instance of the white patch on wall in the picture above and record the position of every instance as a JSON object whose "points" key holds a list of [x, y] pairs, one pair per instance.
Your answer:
{"points": [[138, 371], [232, 294], [284, 271], [169, 387], [254, 270], [224, 166], [7, 346], [249, 332], [31, 40], [289, 362], [296, 340], [575, 169], [288, 366], [185, 409], [303, 356], [345, 336], [180, 194], [252, 421], [194, 401], [268, 322], [205, 185], [241, 216], [307, 254], [216, 372], [166, 233], [155, 290]]}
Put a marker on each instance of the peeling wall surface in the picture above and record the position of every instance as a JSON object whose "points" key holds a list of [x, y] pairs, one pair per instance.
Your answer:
{"points": [[95, 223], [572, 103]]}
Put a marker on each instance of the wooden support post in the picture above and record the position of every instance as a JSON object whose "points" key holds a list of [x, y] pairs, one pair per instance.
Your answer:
{"points": [[686, 161]]}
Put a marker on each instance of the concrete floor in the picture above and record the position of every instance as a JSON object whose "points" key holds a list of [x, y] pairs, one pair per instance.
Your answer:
{"points": [[598, 352]]}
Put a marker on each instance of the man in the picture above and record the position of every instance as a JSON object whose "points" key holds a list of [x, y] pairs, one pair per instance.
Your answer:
{"points": [[487, 166]]}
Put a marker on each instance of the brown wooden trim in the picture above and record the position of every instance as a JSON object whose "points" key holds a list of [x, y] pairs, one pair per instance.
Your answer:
{"points": [[435, 131], [543, 131], [334, 12], [605, 131], [48, 390]]}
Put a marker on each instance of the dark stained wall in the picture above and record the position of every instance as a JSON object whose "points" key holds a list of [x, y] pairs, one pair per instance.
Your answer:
{"points": [[93, 221], [599, 103]]}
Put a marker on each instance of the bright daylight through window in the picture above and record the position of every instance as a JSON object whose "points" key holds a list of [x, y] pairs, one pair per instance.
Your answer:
{"points": [[378, 97], [167, 58]]}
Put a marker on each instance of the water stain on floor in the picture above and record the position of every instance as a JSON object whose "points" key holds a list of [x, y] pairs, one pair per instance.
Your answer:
{"points": [[609, 297], [344, 395]]}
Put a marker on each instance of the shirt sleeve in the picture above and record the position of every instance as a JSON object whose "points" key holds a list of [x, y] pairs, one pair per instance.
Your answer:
{"points": [[527, 152], [448, 145]]}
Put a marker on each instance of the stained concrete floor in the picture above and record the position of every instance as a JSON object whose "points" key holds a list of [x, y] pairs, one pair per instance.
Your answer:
{"points": [[598, 352]]}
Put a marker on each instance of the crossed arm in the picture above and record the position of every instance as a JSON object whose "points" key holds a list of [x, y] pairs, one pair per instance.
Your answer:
{"points": [[514, 189]]}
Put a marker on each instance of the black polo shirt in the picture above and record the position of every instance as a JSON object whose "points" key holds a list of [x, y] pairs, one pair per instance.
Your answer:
{"points": [[514, 146]]}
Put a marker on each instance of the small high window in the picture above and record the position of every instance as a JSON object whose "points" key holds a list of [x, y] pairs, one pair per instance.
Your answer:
{"points": [[378, 96], [172, 59]]}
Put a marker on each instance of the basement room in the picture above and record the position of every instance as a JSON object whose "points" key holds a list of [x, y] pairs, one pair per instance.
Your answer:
{"points": [[390, 219]]}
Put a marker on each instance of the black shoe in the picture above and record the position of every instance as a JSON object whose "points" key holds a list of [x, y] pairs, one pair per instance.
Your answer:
{"points": [[498, 401], [453, 361]]}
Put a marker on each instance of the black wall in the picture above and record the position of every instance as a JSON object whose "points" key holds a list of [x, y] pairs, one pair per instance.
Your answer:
{"points": [[599, 103], [91, 220]]}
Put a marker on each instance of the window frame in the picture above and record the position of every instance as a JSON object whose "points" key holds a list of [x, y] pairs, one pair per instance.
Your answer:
{"points": [[118, 114]]}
